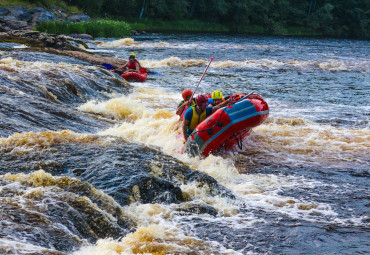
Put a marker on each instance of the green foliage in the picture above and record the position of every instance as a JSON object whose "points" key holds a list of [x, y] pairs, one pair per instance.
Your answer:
{"points": [[344, 18], [38, 3], [179, 26], [98, 28]]}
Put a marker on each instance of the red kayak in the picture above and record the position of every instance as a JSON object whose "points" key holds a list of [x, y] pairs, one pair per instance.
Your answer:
{"points": [[134, 76], [227, 127]]}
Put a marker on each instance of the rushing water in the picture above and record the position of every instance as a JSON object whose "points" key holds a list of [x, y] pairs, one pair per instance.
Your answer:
{"points": [[91, 164]]}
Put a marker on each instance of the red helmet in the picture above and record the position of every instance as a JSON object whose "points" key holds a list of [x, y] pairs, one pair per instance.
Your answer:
{"points": [[201, 99], [186, 93]]}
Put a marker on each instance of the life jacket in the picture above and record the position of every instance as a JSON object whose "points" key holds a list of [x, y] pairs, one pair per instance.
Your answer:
{"points": [[196, 118], [133, 65], [213, 104], [182, 102]]}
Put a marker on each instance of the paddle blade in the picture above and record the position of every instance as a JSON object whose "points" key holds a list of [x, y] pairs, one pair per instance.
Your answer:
{"points": [[108, 66], [183, 113], [151, 72]]}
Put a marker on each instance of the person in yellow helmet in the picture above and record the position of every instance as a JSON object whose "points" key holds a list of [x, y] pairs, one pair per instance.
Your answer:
{"points": [[197, 113], [132, 64], [217, 98]]}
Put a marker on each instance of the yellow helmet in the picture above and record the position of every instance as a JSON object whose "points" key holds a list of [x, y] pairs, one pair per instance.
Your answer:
{"points": [[132, 55], [217, 94]]}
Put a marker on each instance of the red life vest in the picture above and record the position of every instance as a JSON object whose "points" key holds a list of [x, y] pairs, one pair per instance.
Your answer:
{"points": [[133, 65]]}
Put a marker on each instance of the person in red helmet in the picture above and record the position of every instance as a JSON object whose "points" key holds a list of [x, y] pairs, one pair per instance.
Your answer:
{"points": [[196, 114], [186, 95]]}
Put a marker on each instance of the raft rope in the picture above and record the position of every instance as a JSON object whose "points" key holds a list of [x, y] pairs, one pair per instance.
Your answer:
{"points": [[211, 128], [239, 142]]}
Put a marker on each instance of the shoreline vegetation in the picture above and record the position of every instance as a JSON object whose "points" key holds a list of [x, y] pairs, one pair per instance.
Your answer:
{"points": [[111, 18], [116, 29], [95, 28]]}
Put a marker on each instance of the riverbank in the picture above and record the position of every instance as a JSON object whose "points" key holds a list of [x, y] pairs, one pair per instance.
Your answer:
{"points": [[56, 44], [26, 16], [114, 28], [330, 19]]}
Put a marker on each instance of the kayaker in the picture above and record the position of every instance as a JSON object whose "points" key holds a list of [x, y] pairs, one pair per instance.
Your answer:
{"points": [[132, 64], [186, 95], [197, 113], [217, 98]]}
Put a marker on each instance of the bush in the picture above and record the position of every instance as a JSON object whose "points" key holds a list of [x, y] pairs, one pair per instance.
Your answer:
{"points": [[97, 28], [179, 26]]}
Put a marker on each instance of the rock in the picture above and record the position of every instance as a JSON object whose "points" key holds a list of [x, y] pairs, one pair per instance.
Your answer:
{"points": [[20, 13], [63, 45], [152, 189], [18, 8], [8, 18], [43, 16], [30, 33], [134, 32], [136, 173], [82, 36], [36, 10], [2, 29], [16, 24], [193, 207], [77, 18], [4, 11]]}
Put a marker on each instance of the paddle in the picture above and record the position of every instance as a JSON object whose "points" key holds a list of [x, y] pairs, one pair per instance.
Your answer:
{"points": [[201, 78], [151, 72], [109, 66]]}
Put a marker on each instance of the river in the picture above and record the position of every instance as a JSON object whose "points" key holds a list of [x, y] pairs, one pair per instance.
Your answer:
{"points": [[90, 164]]}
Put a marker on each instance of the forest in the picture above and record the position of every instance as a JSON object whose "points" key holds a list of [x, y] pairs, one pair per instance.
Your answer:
{"points": [[338, 18]]}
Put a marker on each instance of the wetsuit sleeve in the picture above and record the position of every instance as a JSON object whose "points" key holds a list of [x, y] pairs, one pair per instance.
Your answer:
{"points": [[208, 111], [188, 114], [180, 103]]}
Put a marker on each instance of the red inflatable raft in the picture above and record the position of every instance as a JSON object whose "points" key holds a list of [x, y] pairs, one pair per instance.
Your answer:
{"points": [[134, 76], [227, 126]]}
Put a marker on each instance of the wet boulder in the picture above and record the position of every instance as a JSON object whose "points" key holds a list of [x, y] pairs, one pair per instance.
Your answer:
{"points": [[149, 189], [127, 172], [57, 207], [195, 208]]}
